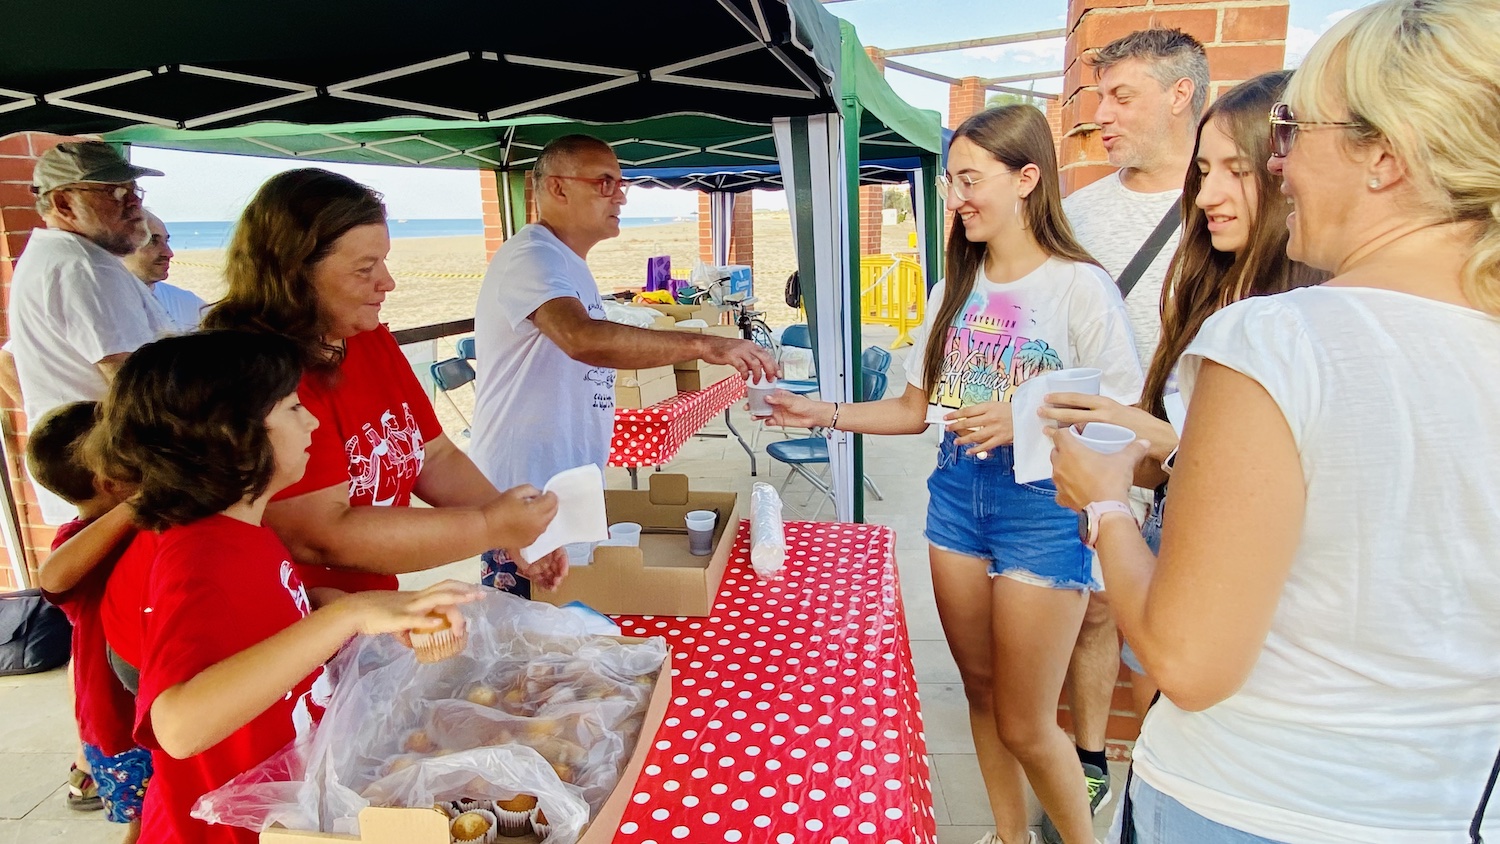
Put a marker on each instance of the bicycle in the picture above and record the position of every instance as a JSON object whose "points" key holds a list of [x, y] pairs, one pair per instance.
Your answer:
{"points": [[749, 321]]}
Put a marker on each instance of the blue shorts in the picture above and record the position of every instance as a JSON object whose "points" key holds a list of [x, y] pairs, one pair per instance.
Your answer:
{"points": [[498, 571], [1158, 819], [977, 509], [1151, 532], [121, 781]]}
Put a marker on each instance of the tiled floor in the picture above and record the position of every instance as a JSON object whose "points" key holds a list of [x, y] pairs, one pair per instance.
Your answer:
{"points": [[36, 734]]}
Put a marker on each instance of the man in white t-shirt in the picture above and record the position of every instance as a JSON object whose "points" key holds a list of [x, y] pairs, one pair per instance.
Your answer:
{"points": [[76, 312], [1153, 85], [151, 264], [544, 399]]}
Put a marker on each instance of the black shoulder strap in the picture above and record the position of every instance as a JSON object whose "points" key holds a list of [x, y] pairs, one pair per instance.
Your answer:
{"points": [[1484, 802], [1150, 249]]}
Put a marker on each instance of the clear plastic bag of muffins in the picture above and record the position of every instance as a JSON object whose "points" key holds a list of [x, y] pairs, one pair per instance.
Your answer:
{"points": [[533, 707]]}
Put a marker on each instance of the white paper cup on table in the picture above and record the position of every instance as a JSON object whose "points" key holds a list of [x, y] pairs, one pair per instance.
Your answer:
{"points": [[758, 391], [700, 527], [1106, 438], [625, 533], [1081, 379]]}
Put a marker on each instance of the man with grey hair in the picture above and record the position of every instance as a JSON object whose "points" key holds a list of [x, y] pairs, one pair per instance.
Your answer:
{"points": [[544, 400], [76, 312], [1153, 85]]}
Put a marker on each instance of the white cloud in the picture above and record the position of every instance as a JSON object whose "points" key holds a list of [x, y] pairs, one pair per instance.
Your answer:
{"points": [[1300, 39], [1048, 51]]}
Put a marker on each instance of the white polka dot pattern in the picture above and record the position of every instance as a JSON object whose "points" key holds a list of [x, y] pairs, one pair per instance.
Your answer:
{"points": [[651, 436], [794, 714]]}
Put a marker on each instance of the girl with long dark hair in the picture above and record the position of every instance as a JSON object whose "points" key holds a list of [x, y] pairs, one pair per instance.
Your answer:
{"points": [[1010, 575]]}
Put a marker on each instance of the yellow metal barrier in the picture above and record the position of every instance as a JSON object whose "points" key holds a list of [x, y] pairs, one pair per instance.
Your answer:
{"points": [[892, 293]]}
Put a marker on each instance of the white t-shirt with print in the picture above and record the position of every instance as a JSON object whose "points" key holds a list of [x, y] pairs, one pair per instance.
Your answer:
{"points": [[1112, 221], [1060, 315], [1373, 712], [73, 304], [536, 410]]}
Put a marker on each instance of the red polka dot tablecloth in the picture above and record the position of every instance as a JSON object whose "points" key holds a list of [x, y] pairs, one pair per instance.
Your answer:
{"points": [[794, 715], [651, 436]]}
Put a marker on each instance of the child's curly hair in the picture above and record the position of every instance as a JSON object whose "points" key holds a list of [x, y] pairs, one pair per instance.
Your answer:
{"points": [[184, 422]]}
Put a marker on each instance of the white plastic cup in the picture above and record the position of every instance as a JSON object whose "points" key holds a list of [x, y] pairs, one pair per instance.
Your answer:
{"points": [[700, 527], [625, 533], [935, 414], [579, 553], [1081, 379], [758, 391], [1106, 438]]}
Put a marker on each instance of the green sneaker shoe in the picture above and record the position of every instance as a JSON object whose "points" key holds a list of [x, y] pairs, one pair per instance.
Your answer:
{"points": [[1098, 785]]}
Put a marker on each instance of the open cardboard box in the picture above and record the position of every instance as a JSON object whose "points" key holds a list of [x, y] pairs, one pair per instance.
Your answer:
{"points": [[706, 312], [660, 577], [644, 387], [428, 826], [705, 376]]}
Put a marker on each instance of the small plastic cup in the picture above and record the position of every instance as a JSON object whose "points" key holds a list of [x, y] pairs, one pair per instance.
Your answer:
{"points": [[579, 553], [700, 527], [935, 414], [1106, 438], [758, 391], [625, 533], [1077, 380]]}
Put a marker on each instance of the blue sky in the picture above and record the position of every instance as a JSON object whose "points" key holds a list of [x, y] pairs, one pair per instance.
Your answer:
{"points": [[215, 187]]}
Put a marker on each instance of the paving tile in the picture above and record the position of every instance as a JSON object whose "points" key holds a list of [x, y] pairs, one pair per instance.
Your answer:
{"points": [[37, 718], [945, 716], [27, 778], [961, 834], [933, 662], [73, 832], [963, 789], [54, 807], [939, 805]]}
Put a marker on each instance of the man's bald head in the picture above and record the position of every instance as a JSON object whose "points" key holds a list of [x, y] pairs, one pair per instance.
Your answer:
{"points": [[153, 261]]}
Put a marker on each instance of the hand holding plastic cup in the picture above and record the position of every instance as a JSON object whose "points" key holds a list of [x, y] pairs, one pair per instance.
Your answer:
{"points": [[1106, 438], [1080, 379], [758, 391], [700, 528]]}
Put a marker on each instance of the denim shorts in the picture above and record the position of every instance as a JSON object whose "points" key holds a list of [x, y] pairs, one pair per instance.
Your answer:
{"points": [[1151, 532], [121, 780], [1161, 820], [977, 509]]}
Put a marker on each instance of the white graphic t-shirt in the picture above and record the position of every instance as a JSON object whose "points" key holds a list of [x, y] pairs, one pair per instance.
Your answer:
{"points": [[536, 410], [1111, 221], [1061, 315]]}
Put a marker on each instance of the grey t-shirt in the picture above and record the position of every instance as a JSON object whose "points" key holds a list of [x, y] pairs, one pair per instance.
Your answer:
{"points": [[1112, 221]]}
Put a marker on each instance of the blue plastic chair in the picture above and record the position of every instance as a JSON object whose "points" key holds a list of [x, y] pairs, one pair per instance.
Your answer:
{"points": [[801, 453], [798, 336], [875, 359], [449, 375], [465, 348]]}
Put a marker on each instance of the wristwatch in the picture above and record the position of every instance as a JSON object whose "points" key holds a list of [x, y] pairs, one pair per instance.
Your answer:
{"points": [[1089, 518]]}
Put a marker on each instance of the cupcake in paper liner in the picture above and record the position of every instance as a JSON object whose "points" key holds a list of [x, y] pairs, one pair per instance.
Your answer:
{"points": [[439, 644], [476, 826], [515, 814], [539, 825]]}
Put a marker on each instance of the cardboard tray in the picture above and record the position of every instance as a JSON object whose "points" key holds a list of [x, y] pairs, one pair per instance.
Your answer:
{"points": [[428, 826], [698, 379], [636, 388], [660, 577]]}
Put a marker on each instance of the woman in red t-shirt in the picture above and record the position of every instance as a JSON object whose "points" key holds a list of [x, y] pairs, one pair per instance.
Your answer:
{"points": [[307, 262], [208, 427]]}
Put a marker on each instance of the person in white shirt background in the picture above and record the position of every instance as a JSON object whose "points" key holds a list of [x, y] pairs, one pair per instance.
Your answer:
{"points": [[152, 263], [1321, 618]]}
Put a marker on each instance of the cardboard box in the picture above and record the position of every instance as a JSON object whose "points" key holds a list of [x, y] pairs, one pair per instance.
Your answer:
{"points": [[704, 376], [644, 387], [427, 826], [696, 364], [664, 323], [706, 312], [741, 279], [660, 577]]}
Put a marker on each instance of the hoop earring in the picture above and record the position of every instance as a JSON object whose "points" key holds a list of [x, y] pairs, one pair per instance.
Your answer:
{"points": [[1020, 220]]}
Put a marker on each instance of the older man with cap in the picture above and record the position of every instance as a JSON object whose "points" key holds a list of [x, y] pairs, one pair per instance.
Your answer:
{"points": [[151, 263], [76, 311]]}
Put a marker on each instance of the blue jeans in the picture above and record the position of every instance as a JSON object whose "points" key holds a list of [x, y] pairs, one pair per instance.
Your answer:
{"points": [[1151, 532], [1161, 820], [977, 509], [498, 571]]}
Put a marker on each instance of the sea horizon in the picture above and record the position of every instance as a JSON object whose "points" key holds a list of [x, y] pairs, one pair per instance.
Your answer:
{"points": [[214, 234]]}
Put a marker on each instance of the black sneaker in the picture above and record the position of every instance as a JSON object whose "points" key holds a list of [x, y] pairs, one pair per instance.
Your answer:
{"points": [[1097, 782]]}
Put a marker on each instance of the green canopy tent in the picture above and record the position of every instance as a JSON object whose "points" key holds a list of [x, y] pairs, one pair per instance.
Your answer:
{"points": [[709, 64]]}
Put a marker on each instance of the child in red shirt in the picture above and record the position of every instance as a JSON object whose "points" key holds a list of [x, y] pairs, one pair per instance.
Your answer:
{"points": [[208, 427], [103, 708]]}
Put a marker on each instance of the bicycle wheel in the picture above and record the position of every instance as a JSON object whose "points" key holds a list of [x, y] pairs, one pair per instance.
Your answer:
{"points": [[761, 335]]}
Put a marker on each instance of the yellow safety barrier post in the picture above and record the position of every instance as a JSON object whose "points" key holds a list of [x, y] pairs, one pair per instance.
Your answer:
{"points": [[892, 293]]}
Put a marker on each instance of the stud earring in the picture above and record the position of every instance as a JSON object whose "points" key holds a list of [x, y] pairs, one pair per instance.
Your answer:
{"points": [[1374, 184]]}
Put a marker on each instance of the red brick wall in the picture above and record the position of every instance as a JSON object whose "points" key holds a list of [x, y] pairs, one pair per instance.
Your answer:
{"points": [[494, 220], [18, 217], [871, 198], [965, 98], [741, 233], [1243, 38]]}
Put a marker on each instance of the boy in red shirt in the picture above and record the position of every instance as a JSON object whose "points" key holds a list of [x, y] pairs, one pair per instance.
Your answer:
{"points": [[103, 708]]}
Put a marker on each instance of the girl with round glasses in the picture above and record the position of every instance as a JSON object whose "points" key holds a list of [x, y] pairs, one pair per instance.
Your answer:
{"points": [[1011, 577]]}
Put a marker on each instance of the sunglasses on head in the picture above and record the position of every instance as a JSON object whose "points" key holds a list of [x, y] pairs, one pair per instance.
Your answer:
{"points": [[1284, 126]]}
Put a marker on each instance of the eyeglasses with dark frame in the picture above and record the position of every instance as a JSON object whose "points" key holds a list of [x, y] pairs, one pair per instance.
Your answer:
{"points": [[1284, 126], [607, 184]]}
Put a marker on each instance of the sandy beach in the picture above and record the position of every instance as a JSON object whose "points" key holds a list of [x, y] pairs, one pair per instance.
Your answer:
{"points": [[437, 278]]}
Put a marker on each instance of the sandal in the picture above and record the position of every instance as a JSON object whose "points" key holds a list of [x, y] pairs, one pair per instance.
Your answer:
{"points": [[83, 793]]}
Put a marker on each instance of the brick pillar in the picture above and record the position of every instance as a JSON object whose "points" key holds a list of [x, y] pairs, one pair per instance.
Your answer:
{"points": [[1054, 120], [877, 56], [965, 98], [18, 154], [494, 219], [705, 229], [1243, 38], [871, 198], [742, 231], [532, 214]]}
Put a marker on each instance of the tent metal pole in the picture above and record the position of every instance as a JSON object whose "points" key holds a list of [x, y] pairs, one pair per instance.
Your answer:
{"points": [[851, 113]]}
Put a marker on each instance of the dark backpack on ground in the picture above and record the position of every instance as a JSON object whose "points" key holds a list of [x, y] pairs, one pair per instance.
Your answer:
{"points": [[34, 635]]}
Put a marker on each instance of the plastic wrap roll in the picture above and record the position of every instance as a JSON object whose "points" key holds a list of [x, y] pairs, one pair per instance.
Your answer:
{"points": [[767, 533]]}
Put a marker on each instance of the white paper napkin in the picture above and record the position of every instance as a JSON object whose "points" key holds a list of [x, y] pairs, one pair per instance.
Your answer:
{"points": [[1033, 450], [580, 512]]}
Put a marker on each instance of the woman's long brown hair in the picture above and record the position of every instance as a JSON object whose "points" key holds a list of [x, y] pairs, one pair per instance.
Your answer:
{"points": [[1202, 280], [1016, 135]]}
